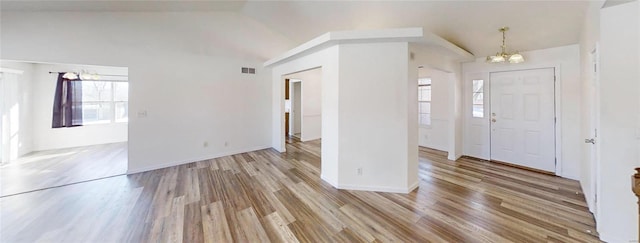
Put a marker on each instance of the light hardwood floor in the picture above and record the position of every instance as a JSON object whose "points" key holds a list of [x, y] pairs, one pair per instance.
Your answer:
{"points": [[267, 196], [52, 168]]}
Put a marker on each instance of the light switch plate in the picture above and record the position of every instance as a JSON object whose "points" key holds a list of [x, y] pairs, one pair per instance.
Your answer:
{"points": [[142, 114]]}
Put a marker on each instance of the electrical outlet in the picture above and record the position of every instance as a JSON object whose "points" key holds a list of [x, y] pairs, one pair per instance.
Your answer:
{"points": [[359, 171], [226, 143], [205, 144]]}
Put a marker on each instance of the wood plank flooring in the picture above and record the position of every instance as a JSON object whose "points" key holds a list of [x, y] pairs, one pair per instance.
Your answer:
{"points": [[266, 196], [52, 168]]}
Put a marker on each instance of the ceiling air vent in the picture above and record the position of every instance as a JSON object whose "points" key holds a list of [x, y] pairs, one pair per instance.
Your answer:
{"points": [[248, 70]]}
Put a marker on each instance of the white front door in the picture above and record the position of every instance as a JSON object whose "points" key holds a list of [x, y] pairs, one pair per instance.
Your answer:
{"points": [[523, 118]]}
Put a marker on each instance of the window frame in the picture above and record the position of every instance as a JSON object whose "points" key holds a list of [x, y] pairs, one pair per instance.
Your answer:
{"points": [[473, 94], [112, 101], [430, 85]]}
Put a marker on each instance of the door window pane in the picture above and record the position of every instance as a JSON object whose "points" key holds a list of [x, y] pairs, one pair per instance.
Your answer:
{"points": [[477, 98]]}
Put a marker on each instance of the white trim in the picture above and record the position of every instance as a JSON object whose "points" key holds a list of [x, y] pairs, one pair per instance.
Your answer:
{"points": [[334, 185], [181, 162], [415, 34], [11, 70], [309, 139], [613, 238], [379, 189], [353, 36], [558, 113], [453, 157]]}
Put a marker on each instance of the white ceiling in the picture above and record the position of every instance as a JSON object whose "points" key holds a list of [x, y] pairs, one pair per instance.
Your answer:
{"points": [[470, 24], [122, 5]]}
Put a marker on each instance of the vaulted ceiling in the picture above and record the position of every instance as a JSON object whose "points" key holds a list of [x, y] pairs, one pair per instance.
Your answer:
{"points": [[472, 24]]}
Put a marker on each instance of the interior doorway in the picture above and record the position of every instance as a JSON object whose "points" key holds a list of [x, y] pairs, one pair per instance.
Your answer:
{"points": [[295, 113], [522, 118], [61, 124], [303, 105]]}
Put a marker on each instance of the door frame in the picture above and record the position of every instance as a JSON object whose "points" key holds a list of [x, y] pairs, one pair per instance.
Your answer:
{"points": [[594, 57], [292, 98], [557, 85]]}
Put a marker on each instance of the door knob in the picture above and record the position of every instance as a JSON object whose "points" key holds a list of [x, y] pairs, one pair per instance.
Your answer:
{"points": [[590, 140]]}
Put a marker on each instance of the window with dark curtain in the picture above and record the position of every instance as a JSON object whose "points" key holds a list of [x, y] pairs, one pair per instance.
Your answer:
{"points": [[67, 103]]}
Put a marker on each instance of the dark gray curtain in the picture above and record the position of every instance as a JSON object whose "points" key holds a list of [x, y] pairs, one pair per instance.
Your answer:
{"points": [[67, 103]]}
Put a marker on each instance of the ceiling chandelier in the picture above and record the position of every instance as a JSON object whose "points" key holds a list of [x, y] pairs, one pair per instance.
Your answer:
{"points": [[503, 56]]}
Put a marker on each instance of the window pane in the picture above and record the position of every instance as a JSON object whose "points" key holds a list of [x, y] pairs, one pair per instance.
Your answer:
{"points": [[424, 81], [424, 107], [122, 112], [96, 91], [478, 98], [478, 86], [425, 119], [478, 110], [121, 91], [96, 112], [424, 93]]}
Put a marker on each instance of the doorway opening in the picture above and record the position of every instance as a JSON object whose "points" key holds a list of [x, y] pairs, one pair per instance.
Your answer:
{"points": [[295, 109], [61, 124], [303, 110]]}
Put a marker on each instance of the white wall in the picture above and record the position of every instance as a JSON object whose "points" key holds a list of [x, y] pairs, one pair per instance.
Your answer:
{"points": [[620, 121], [436, 135], [45, 137], [566, 60], [184, 72], [16, 101], [374, 122], [311, 103]]}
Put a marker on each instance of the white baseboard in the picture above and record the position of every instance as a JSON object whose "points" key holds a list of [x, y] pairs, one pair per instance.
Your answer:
{"points": [[372, 188], [328, 181], [378, 188], [175, 163], [454, 157], [414, 186], [436, 147], [306, 139], [611, 238]]}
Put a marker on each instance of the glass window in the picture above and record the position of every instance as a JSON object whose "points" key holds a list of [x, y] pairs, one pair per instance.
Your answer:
{"points": [[424, 101], [478, 98], [104, 102]]}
